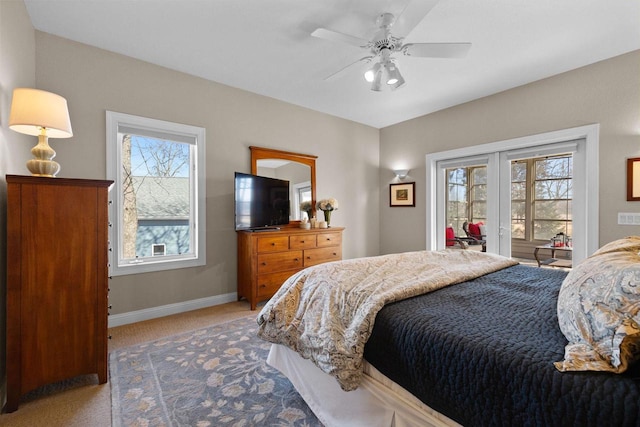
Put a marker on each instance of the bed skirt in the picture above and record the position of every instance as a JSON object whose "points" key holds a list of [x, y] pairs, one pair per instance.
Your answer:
{"points": [[378, 402]]}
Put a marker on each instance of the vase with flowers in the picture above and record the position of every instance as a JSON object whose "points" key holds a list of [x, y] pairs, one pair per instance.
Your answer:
{"points": [[308, 208], [327, 206]]}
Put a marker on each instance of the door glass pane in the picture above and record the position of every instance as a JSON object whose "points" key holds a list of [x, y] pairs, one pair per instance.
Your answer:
{"points": [[466, 196], [457, 203]]}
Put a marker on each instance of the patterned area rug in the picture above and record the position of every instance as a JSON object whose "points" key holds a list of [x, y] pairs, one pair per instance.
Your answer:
{"points": [[215, 376]]}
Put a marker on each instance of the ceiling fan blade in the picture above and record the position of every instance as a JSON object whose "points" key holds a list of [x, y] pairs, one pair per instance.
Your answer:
{"points": [[334, 36], [437, 50], [411, 16], [343, 69]]}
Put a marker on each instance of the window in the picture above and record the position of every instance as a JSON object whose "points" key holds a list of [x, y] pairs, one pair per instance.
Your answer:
{"points": [[301, 193], [157, 211], [541, 197]]}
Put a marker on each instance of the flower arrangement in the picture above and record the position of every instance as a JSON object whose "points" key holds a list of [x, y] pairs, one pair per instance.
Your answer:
{"points": [[308, 208], [327, 206]]}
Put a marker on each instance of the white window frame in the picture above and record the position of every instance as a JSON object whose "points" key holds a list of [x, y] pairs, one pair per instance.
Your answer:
{"points": [[180, 132], [585, 185]]}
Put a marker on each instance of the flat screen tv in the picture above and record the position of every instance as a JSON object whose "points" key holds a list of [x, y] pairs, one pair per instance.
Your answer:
{"points": [[261, 203]]}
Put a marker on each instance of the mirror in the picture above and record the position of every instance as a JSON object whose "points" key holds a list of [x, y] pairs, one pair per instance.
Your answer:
{"points": [[298, 169]]}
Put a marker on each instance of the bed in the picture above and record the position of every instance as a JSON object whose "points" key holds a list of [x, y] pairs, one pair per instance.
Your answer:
{"points": [[482, 350]]}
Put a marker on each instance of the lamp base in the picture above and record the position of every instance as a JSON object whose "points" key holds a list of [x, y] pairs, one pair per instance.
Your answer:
{"points": [[39, 167], [41, 164]]}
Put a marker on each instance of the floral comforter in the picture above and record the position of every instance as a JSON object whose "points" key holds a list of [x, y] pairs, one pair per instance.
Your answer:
{"points": [[326, 312]]}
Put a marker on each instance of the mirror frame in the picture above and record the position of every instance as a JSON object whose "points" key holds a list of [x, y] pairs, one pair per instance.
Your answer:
{"points": [[260, 153]]}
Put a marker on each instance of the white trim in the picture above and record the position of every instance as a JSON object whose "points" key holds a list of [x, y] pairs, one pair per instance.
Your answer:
{"points": [[586, 185], [169, 309]]}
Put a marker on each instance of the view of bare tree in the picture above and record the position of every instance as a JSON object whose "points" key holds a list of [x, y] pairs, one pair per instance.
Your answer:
{"points": [[148, 158], [130, 215]]}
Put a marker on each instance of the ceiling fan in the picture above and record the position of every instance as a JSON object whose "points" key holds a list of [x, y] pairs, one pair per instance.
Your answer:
{"points": [[383, 45]]}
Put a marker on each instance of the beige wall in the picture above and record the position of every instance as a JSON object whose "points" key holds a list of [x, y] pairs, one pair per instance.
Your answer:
{"points": [[17, 69], [354, 161], [95, 80], [607, 93]]}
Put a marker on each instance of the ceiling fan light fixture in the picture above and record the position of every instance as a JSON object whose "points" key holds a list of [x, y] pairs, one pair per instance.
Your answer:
{"points": [[399, 83], [371, 73], [384, 44], [393, 74]]}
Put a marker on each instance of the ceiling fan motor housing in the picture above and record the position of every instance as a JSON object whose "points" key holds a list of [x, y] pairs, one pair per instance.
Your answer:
{"points": [[383, 38]]}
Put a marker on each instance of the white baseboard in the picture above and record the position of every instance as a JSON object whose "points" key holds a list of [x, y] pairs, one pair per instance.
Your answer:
{"points": [[166, 310]]}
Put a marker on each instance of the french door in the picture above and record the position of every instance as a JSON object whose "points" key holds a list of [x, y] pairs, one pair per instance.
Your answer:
{"points": [[581, 142]]}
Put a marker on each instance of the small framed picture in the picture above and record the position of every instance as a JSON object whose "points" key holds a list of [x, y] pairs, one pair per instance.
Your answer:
{"points": [[402, 194], [633, 179]]}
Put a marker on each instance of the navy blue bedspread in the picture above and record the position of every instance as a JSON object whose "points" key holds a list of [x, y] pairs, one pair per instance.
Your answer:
{"points": [[482, 353]]}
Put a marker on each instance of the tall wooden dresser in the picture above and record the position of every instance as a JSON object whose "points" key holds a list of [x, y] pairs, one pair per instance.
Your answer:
{"points": [[56, 281], [266, 259]]}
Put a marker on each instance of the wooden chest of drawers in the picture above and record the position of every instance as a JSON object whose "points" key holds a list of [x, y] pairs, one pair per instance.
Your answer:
{"points": [[266, 259], [57, 247]]}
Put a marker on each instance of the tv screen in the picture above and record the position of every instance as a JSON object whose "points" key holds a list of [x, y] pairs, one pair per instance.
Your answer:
{"points": [[260, 202]]}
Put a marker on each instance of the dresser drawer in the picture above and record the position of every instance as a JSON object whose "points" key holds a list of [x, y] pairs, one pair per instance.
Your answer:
{"points": [[273, 243], [271, 263], [302, 241], [320, 255], [329, 239], [268, 284]]}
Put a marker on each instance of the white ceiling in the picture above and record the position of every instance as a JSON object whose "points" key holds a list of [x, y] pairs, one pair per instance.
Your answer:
{"points": [[264, 46]]}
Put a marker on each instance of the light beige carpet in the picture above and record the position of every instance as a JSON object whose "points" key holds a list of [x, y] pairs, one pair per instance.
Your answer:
{"points": [[81, 402]]}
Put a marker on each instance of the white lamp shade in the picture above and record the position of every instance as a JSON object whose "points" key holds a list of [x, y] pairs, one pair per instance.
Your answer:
{"points": [[33, 109]]}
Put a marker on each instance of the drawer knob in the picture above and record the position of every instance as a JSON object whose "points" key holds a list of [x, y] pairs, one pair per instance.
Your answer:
{"points": [[263, 286], [273, 244], [301, 241], [296, 259], [264, 263]]}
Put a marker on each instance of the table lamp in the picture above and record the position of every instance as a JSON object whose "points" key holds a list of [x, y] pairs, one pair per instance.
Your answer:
{"points": [[45, 115]]}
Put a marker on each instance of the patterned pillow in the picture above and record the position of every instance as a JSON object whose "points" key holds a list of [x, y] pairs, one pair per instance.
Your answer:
{"points": [[451, 235], [474, 229], [599, 310]]}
